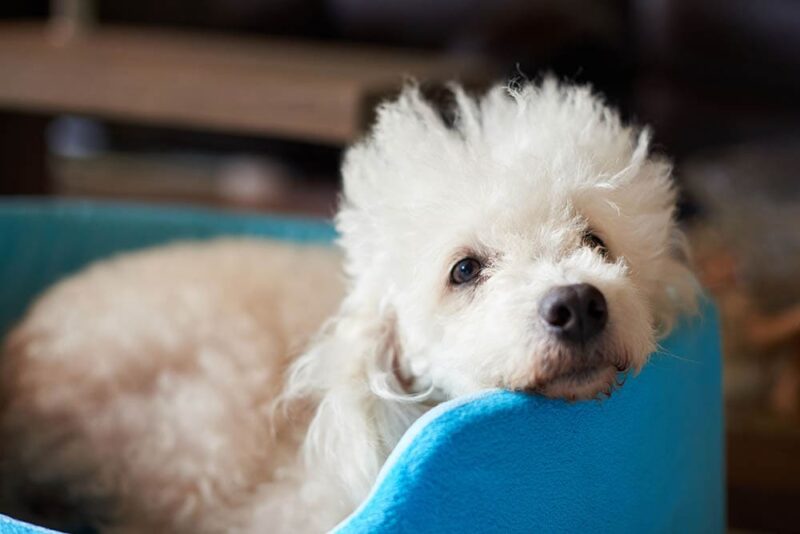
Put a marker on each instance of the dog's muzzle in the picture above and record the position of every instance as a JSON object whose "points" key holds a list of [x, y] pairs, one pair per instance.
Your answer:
{"points": [[576, 316]]}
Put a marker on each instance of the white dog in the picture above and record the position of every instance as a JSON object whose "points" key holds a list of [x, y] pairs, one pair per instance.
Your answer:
{"points": [[531, 245]]}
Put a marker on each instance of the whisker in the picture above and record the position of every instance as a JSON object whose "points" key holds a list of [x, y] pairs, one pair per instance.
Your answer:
{"points": [[660, 350]]}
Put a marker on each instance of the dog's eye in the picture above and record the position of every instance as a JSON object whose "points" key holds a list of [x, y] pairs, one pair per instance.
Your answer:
{"points": [[590, 239], [465, 271]]}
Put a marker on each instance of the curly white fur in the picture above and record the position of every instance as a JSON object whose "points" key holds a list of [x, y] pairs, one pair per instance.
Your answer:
{"points": [[517, 181]]}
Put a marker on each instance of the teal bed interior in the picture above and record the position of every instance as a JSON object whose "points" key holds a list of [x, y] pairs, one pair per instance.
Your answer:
{"points": [[650, 459]]}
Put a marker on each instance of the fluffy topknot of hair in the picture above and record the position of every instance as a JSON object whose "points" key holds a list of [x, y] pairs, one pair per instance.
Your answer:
{"points": [[548, 138]]}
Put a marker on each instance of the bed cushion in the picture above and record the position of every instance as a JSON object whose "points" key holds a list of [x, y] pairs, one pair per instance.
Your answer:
{"points": [[650, 459]]}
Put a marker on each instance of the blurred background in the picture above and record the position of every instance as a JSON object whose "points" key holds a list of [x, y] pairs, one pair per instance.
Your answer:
{"points": [[247, 104]]}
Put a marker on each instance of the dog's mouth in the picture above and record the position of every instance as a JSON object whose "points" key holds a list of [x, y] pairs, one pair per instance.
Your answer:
{"points": [[580, 382]]}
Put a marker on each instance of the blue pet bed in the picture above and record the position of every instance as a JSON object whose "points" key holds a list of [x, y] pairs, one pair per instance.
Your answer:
{"points": [[650, 459]]}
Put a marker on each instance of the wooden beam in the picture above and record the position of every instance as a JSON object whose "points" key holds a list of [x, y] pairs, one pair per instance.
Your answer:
{"points": [[317, 92]]}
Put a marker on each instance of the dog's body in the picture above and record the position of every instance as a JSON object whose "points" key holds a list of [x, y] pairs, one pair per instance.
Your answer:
{"points": [[531, 246], [151, 378]]}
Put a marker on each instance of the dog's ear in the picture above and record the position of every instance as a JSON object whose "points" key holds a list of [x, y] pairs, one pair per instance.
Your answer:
{"points": [[680, 289], [648, 183], [351, 372]]}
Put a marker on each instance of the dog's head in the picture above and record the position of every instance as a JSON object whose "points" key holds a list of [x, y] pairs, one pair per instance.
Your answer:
{"points": [[530, 245]]}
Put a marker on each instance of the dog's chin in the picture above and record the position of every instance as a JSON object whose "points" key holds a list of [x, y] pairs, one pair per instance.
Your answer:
{"points": [[580, 383]]}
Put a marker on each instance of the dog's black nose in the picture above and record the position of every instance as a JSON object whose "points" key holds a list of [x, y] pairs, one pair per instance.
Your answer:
{"points": [[577, 312]]}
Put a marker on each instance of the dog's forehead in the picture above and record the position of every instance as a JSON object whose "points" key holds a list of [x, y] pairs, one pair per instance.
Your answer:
{"points": [[508, 199], [501, 220]]}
